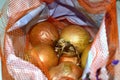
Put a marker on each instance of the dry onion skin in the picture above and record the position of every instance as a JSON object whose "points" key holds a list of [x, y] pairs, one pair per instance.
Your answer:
{"points": [[77, 36], [43, 32]]}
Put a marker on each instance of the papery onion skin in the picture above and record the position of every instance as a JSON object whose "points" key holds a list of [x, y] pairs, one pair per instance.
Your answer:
{"points": [[65, 70], [77, 36], [43, 32], [45, 54]]}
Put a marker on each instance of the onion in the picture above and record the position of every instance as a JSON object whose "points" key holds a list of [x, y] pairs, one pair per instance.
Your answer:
{"points": [[43, 32], [42, 53], [65, 71], [77, 36], [84, 56]]}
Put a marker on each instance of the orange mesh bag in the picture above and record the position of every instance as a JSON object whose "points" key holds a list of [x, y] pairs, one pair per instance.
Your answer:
{"points": [[101, 55], [18, 17], [14, 42]]}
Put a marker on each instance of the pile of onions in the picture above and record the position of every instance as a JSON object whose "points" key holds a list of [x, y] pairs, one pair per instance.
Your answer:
{"points": [[58, 52]]}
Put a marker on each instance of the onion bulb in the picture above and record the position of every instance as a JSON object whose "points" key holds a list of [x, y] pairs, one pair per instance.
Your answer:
{"points": [[65, 71], [43, 32], [42, 53], [77, 36]]}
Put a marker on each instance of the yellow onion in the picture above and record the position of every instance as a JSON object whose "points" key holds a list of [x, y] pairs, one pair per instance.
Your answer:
{"points": [[84, 56], [43, 32], [77, 36]]}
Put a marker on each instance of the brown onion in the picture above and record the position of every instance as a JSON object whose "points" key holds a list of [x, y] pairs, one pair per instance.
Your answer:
{"points": [[65, 71], [43, 32], [42, 53]]}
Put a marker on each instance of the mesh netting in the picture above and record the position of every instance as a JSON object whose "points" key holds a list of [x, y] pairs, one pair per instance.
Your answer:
{"points": [[17, 18]]}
